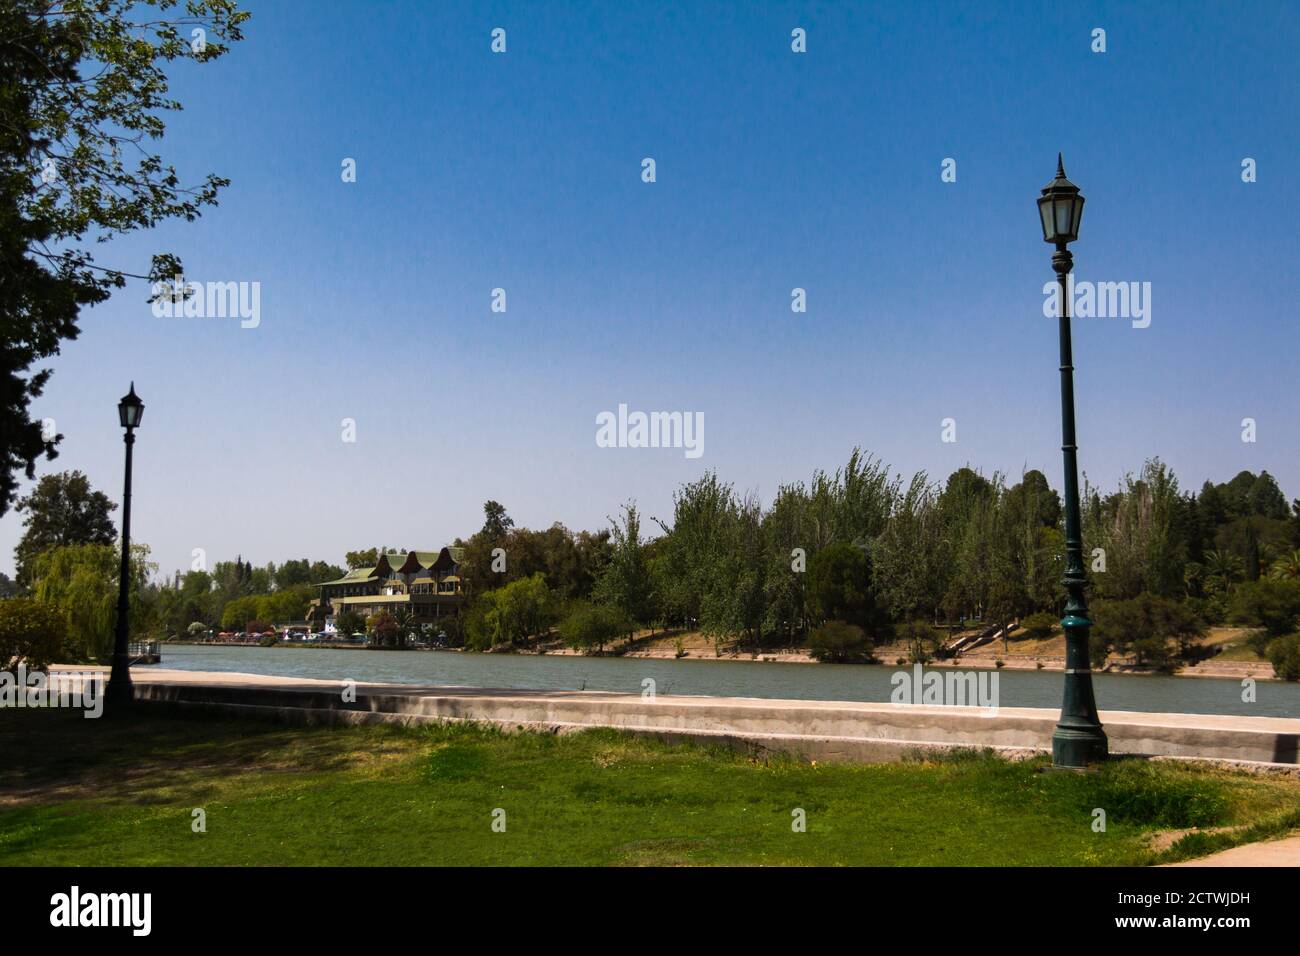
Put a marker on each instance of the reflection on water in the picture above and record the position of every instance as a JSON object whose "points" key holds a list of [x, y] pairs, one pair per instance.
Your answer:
{"points": [[1188, 695]]}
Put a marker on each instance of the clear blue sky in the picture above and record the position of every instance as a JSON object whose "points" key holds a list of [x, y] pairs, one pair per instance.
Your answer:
{"points": [[775, 170]]}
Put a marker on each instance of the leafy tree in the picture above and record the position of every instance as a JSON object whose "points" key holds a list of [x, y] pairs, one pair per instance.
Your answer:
{"points": [[1287, 566], [349, 622], [1284, 654], [324, 571], [32, 633], [509, 615], [238, 612], [495, 520], [912, 563], [85, 89], [1145, 626], [405, 621], [288, 604], [1039, 626], [587, 626], [1265, 498], [923, 641], [571, 562], [292, 573], [838, 642], [702, 510], [1142, 529], [383, 629], [1271, 603], [361, 559], [733, 602], [81, 580], [839, 587], [62, 509], [625, 583], [1223, 570], [786, 533]]}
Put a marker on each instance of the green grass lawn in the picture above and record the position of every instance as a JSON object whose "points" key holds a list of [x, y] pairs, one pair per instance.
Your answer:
{"points": [[105, 792]]}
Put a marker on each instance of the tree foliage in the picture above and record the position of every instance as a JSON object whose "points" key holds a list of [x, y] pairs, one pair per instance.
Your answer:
{"points": [[81, 581], [84, 97], [32, 633], [62, 509]]}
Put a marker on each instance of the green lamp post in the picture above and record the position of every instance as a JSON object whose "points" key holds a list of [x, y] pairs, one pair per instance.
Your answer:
{"points": [[1078, 739], [120, 692]]}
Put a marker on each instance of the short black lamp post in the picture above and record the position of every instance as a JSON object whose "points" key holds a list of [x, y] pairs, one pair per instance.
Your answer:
{"points": [[120, 693], [1078, 740]]}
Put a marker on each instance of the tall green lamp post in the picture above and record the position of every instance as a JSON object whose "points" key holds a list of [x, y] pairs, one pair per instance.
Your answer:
{"points": [[1078, 739], [120, 692]]}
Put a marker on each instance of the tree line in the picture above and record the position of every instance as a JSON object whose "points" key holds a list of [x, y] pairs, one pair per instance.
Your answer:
{"points": [[841, 563], [857, 557]]}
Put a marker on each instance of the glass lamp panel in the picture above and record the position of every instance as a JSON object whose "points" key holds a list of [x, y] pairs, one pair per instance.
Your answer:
{"points": [[1063, 206], [130, 413], [1045, 213]]}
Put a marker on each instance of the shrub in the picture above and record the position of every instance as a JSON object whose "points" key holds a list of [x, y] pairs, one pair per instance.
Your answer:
{"points": [[269, 640], [510, 614], [1273, 604], [1213, 610], [1145, 626], [31, 632], [349, 622], [384, 628], [1040, 625], [1258, 642], [922, 641], [1098, 649], [1284, 654], [838, 642], [839, 588], [592, 625]]}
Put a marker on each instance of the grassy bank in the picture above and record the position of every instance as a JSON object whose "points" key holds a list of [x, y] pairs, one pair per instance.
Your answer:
{"points": [[77, 791]]}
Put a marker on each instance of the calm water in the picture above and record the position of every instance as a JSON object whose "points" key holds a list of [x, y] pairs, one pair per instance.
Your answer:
{"points": [[1187, 695]]}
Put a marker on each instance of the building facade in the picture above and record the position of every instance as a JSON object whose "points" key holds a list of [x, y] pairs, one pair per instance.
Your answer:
{"points": [[425, 583]]}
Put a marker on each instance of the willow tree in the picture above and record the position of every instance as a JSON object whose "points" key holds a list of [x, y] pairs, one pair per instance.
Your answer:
{"points": [[80, 580]]}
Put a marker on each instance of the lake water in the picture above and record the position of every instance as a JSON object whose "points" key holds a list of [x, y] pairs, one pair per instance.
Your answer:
{"points": [[1150, 693]]}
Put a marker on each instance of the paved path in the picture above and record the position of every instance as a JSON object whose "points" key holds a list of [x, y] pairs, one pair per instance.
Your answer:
{"points": [[1284, 852]]}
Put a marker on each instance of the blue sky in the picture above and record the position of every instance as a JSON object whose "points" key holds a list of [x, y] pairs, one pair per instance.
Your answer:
{"points": [[775, 170]]}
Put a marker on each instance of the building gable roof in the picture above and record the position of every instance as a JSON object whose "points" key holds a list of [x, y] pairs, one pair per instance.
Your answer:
{"points": [[395, 562]]}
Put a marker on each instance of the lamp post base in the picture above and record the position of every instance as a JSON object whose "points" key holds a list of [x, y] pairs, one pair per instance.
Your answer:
{"points": [[120, 692], [1077, 747]]}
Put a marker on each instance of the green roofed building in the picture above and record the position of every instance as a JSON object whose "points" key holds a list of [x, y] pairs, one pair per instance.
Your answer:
{"points": [[426, 582]]}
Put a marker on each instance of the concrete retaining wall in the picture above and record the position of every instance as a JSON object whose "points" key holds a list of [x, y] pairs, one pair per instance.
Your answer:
{"points": [[819, 730]]}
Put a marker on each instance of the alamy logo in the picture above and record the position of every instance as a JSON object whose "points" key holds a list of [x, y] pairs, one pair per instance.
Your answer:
{"points": [[651, 430], [80, 689], [1101, 300], [951, 689], [74, 909], [209, 300]]}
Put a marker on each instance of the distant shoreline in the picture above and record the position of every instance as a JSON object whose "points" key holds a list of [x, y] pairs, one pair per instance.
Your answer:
{"points": [[1223, 670]]}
